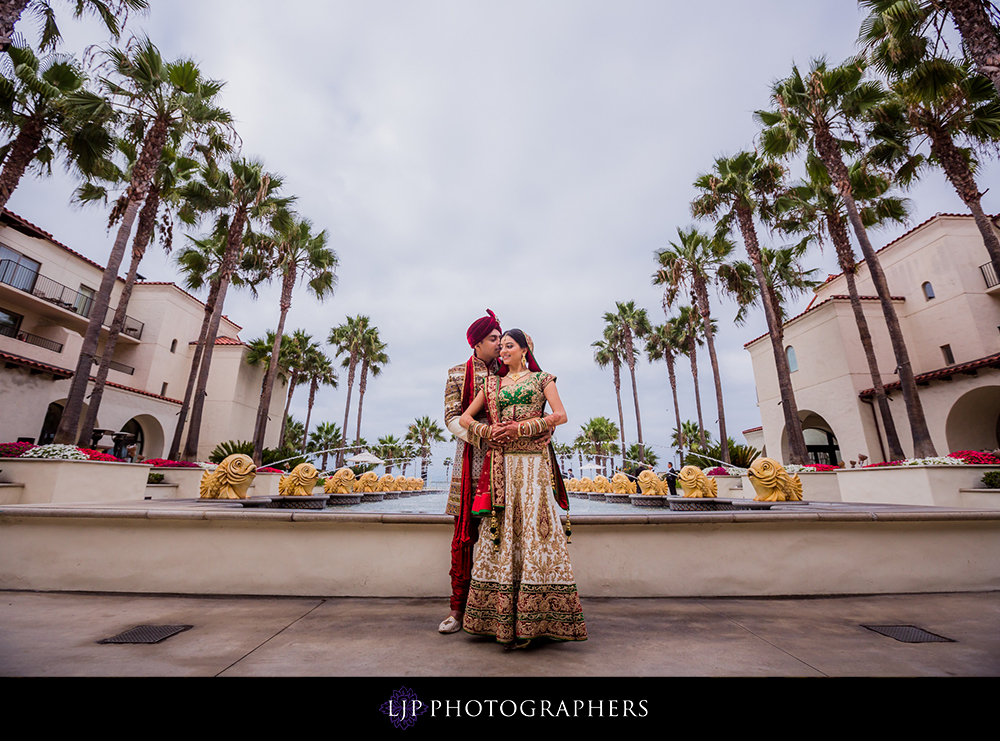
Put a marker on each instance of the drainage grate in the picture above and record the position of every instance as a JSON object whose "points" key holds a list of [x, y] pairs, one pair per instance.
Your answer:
{"points": [[147, 634], [908, 634]]}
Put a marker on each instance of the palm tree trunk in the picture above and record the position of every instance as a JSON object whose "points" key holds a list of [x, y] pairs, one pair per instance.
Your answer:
{"points": [[234, 245], [10, 13], [703, 306], [829, 152], [673, 390], [621, 414], [956, 169], [143, 233], [287, 284], [22, 152], [978, 36], [630, 358], [142, 176], [793, 425], [313, 386], [362, 386], [693, 352], [347, 408], [838, 233], [199, 350], [293, 379]]}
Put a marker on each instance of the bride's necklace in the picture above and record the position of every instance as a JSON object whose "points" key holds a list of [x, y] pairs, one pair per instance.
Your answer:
{"points": [[515, 376]]}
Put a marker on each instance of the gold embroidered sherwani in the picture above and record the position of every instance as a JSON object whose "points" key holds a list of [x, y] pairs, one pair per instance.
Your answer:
{"points": [[452, 411]]}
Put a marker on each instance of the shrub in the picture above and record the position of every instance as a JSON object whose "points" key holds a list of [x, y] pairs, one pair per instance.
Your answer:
{"points": [[14, 450], [166, 463], [154, 478], [61, 452], [992, 479], [717, 471]]}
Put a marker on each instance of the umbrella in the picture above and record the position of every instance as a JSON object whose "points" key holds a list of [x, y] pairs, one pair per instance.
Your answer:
{"points": [[365, 457]]}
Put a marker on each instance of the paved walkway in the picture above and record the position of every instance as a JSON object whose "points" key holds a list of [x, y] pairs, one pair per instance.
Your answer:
{"points": [[56, 634]]}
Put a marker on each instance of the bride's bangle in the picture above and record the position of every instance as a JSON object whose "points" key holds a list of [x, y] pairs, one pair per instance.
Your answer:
{"points": [[480, 430], [532, 427]]}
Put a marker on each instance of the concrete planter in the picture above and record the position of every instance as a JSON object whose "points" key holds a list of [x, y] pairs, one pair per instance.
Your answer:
{"points": [[265, 485], [921, 485], [730, 486], [188, 481], [820, 486], [49, 480]]}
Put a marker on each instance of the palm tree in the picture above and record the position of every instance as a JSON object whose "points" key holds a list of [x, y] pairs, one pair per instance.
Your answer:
{"points": [[633, 324], [373, 359], [349, 338], [421, 434], [292, 251], [815, 112], [113, 14], [161, 99], [317, 368], [957, 112], [46, 108], [691, 265], [389, 449], [595, 439], [609, 352], [687, 329], [741, 188], [299, 343], [243, 193], [688, 431], [894, 27], [647, 455], [295, 434], [323, 438], [661, 345], [260, 352], [812, 206], [174, 169]]}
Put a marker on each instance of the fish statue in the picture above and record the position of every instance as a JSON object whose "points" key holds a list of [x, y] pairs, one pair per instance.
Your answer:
{"points": [[602, 485], [230, 480], [572, 485], [386, 483], [418, 484], [367, 483], [586, 484], [342, 482], [299, 482], [622, 484], [651, 485], [773, 483], [696, 484]]}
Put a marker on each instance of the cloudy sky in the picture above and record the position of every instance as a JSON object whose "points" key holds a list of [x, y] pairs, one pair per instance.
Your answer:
{"points": [[528, 156]]}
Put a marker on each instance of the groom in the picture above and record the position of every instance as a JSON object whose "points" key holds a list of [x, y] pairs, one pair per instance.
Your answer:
{"points": [[464, 383]]}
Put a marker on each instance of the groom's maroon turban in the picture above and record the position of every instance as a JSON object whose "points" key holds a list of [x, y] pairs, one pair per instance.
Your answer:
{"points": [[480, 329]]}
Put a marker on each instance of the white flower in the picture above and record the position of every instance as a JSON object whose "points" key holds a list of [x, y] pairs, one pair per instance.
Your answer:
{"points": [[63, 452]]}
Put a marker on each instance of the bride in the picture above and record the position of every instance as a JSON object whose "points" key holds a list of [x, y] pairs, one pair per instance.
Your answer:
{"points": [[522, 581]]}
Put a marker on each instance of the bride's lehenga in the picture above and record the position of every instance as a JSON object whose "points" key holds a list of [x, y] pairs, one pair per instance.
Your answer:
{"points": [[524, 589]]}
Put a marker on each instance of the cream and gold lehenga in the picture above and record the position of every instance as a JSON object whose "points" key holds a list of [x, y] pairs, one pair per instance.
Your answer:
{"points": [[524, 589]]}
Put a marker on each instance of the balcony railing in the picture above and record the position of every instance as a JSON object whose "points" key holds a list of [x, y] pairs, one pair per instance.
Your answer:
{"points": [[115, 365], [29, 281], [989, 275], [31, 339]]}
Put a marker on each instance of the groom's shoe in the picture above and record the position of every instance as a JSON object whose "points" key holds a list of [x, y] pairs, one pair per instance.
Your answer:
{"points": [[450, 624]]}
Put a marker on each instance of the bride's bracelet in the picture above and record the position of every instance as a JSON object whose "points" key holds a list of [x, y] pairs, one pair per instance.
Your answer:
{"points": [[480, 430], [532, 427]]}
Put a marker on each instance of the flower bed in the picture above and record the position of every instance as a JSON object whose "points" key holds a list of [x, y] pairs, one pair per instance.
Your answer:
{"points": [[15, 450], [78, 479], [166, 463]]}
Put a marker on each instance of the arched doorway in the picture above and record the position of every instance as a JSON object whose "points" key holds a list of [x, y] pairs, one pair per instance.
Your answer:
{"points": [[821, 442], [149, 438], [974, 420], [53, 415]]}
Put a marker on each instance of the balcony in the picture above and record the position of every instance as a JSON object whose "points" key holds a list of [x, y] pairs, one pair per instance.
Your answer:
{"points": [[115, 365], [31, 339], [46, 289]]}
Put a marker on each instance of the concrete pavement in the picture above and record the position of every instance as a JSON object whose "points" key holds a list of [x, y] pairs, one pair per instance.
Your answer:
{"points": [[56, 634]]}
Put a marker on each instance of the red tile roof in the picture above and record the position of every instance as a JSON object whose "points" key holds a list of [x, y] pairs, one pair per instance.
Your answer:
{"points": [[26, 227], [753, 429], [837, 297], [35, 365], [990, 361], [223, 341], [140, 391]]}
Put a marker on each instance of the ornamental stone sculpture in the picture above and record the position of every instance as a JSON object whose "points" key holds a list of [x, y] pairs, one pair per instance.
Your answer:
{"points": [[602, 485], [651, 485], [367, 483], [696, 484], [386, 483], [622, 484], [342, 482], [230, 480], [299, 482], [586, 484], [773, 483]]}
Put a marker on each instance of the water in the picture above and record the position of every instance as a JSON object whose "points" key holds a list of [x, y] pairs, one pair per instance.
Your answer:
{"points": [[434, 503]]}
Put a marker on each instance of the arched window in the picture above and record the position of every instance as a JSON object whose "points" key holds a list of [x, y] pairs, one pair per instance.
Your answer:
{"points": [[928, 291], [793, 364], [173, 346]]}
